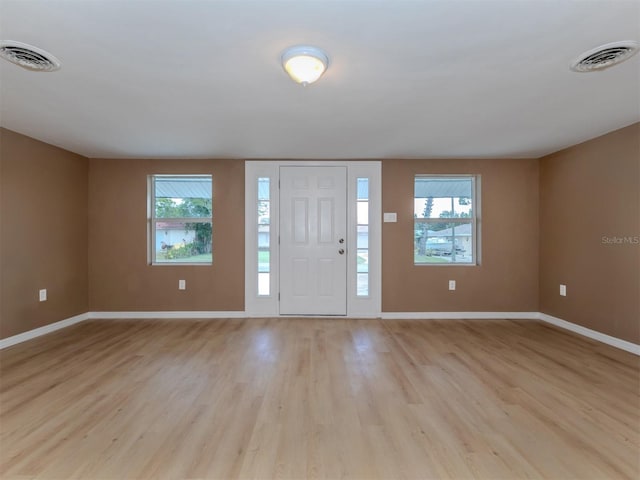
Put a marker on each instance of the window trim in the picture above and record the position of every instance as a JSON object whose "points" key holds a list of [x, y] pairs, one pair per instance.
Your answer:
{"points": [[475, 219], [151, 219]]}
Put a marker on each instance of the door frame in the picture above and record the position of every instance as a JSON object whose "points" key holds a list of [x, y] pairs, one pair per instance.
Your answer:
{"points": [[268, 305]]}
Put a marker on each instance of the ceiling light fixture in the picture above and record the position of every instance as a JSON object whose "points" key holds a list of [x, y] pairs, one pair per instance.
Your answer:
{"points": [[304, 64]]}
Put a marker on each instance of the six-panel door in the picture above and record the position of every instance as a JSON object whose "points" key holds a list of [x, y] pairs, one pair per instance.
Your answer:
{"points": [[313, 252]]}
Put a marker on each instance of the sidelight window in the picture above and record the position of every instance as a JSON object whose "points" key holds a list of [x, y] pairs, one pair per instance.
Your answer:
{"points": [[362, 239], [264, 236]]}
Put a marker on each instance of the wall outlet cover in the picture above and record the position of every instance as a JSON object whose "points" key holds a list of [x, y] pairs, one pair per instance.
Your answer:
{"points": [[390, 217]]}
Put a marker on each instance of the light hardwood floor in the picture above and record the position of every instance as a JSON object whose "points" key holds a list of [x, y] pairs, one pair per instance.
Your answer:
{"points": [[317, 398]]}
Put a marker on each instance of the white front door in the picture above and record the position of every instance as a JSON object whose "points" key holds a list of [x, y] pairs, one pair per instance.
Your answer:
{"points": [[313, 243]]}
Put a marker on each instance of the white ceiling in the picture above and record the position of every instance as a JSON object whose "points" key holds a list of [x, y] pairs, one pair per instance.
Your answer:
{"points": [[407, 78]]}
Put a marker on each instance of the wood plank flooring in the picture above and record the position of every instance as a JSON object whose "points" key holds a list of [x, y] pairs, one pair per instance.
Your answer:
{"points": [[318, 398]]}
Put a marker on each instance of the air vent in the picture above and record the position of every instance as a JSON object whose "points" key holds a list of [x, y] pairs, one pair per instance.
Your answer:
{"points": [[605, 56], [28, 56]]}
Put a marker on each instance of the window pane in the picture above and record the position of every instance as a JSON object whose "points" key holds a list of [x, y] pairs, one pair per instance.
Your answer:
{"points": [[363, 261], [443, 187], [264, 212], [363, 236], [263, 236], [183, 242], [363, 213], [443, 197], [438, 242], [441, 207], [263, 188], [263, 261], [263, 284], [362, 288], [363, 189], [183, 197]]}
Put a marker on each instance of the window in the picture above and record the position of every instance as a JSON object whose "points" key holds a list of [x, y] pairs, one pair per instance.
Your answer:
{"points": [[362, 239], [264, 236], [180, 219], [445, 226]]}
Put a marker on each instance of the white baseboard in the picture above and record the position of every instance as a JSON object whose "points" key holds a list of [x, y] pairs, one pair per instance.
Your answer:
{"points": [[587, 332], [165, 315], [579, 329], [460, 315], [37, 332], [601, 337]]}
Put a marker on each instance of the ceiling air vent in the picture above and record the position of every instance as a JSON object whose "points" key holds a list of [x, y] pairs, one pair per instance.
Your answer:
{"points": [[28, 56], [605, 56]]}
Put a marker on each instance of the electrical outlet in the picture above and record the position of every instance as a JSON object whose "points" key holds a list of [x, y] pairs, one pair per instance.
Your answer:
{"points": [[563, 290], [452, 284], [182, 284], [43, 295]]}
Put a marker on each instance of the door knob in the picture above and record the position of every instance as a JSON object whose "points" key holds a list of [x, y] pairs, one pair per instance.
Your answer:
{"points": [[341, 240], [341, 251]]}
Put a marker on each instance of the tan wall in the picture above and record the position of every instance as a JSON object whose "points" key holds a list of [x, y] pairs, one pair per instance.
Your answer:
{"points": [[43, 233], [119, 276], [44, 242], [588, 192], [506, 279]]}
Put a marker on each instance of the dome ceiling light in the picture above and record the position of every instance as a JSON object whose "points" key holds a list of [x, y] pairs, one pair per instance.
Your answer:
{"points": [[304, 64]]}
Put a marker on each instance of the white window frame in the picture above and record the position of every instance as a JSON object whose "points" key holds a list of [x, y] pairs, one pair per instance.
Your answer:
{"points": [[268, 305], [475, 220], [151, 219]]}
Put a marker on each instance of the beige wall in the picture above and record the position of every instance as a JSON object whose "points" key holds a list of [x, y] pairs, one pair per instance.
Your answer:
{"points": [[506, 279], [43, 233], [80, 231], [120, 277], [588, 192]]}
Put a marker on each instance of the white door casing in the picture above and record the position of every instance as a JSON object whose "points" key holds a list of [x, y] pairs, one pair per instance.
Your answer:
{"points": [[264, 302], [313, 249]]}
